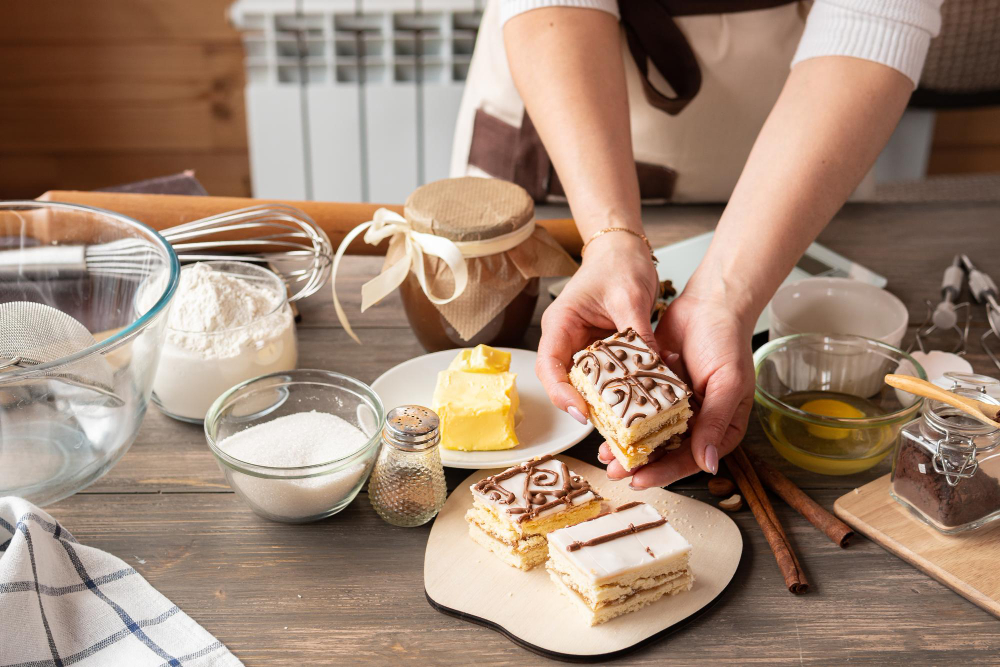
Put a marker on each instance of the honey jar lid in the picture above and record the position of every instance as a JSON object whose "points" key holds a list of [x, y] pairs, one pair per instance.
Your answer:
{"points": [[469, 208]]}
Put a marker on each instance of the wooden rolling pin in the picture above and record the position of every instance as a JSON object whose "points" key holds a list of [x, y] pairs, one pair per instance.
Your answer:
{"points": [[336, 219], [984, 412]]}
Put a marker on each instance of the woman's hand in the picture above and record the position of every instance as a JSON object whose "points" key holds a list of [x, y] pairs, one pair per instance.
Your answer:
{"points": [[614, 289], [713, 340]]}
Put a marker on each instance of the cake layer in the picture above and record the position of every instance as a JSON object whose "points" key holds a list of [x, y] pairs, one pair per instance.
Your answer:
{"points": [[637, 454], [524, 554], [599, 595], [626, 604], [613, 427], [499, 524], [635, 401], [633, 540], [532, 495], [622, 377], [611, 595]]}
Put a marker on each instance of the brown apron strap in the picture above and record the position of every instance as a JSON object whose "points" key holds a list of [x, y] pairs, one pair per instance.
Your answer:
{"points": [[517, 155], [702, 7], [652, 35]]}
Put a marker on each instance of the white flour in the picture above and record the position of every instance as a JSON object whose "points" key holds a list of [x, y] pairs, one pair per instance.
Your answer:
{"points": [[301, 439], [222, 329], [210, 301]]}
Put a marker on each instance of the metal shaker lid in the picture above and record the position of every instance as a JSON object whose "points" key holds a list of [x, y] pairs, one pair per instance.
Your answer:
{"points": [[411, 428]]}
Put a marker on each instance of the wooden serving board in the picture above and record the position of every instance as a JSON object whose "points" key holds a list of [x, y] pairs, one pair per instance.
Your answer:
{"points": [[463, 579], [966, 563]]}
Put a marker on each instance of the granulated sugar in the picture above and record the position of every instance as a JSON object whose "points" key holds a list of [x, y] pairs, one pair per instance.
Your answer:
{"points": [[301, 439]]}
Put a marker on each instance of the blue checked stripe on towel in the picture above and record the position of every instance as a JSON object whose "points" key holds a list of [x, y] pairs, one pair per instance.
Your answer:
{"points": [[64, 603]]}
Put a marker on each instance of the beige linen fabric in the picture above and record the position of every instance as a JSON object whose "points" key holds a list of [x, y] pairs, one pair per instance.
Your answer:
{"points": [[744, 58]]}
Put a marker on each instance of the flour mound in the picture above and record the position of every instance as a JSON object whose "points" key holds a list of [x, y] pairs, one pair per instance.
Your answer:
{"points": [[233, 310]]}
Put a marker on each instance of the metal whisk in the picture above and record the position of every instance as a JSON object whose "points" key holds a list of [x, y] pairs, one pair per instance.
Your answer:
{"points": [[985, 291], [944, 316], [280, 237]]}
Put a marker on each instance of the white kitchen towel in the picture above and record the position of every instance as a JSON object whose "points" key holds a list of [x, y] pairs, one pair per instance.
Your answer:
{"points": [[63, 603]]}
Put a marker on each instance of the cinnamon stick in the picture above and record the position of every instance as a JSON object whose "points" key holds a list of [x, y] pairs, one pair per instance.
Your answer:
{"points": [[753, 491], [834, 528]]}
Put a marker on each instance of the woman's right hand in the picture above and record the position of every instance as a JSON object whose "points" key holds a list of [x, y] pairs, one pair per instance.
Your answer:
{"points": [[614, 289]]}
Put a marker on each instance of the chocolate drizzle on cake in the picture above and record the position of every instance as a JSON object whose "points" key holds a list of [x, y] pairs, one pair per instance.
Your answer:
{"points": [[632, 529], [543, 488], [639, 382]]}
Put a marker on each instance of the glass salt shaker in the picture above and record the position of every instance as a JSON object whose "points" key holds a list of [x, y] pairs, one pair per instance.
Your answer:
{"points": [[946, 467], [407, 487]]}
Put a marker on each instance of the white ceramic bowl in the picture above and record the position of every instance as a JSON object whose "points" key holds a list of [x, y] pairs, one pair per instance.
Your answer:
{"points": [[838, 306]]}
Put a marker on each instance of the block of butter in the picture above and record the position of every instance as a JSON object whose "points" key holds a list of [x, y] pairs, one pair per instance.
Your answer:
{"points": [[481, 359], [476, 401]]}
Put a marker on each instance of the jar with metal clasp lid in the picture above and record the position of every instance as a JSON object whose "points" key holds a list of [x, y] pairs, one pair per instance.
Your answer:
{"points": [[946, 468], [407, 487]]}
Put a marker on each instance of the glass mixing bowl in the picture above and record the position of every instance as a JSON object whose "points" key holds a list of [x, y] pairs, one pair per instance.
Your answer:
{"points": [[65, 422], [824, 405], [295, 493]]}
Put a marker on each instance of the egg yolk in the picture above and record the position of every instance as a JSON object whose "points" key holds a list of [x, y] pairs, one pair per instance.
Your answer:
{"points": [[829, 407]]}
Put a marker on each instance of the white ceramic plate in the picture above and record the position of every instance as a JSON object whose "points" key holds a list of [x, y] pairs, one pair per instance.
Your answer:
{"points": [[542, 429]]}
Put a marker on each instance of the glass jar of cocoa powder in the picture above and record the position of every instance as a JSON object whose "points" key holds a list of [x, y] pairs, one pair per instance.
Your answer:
{"points": [[946, 467]]}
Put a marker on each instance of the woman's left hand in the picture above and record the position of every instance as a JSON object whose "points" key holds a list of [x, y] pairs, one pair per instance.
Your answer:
{"points": [[713, 341]]}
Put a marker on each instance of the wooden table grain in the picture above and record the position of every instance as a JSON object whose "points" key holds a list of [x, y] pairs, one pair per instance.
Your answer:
{"points": [[349, 589]]}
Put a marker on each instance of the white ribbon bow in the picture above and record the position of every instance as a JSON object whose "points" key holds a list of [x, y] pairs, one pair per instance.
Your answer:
{"points": [[388, 224]]}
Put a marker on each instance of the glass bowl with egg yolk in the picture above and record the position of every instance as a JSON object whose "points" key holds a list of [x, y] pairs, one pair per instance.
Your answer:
{"points": [[822, 403]]}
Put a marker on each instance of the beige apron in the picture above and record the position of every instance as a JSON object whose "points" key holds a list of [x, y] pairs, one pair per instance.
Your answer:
{"points": [[694, 118]]}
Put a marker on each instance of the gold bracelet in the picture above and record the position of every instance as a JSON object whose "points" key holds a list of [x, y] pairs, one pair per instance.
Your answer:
{"points": [[621, 229]]}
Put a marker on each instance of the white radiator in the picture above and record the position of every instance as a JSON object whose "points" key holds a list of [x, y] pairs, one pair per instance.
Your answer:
{"points": [[353, 100]]}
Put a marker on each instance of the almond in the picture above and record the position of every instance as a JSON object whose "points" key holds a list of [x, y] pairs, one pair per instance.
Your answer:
{"points": [[721, 487], [733, 503]]}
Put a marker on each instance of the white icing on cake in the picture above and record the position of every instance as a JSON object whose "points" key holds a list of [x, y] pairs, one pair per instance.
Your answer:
{"points": [[612, 559], [630, 378], [547, 481]]}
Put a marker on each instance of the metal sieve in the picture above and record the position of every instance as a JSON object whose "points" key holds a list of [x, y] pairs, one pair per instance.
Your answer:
{"points": [[32, 334]]}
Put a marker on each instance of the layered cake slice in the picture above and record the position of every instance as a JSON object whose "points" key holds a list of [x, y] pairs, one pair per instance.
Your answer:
{"points": [[636, 402], [513, 510], [619, 561]]}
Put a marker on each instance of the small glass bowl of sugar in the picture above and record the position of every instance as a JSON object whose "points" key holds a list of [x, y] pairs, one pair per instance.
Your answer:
{"points": [[296, 446]]}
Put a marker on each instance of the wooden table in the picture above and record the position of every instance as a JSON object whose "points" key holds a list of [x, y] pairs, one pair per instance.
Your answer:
{"points": [[350, 589]]}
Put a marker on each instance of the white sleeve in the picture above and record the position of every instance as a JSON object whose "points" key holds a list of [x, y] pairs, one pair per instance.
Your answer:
{"points": [[511, 8], [896, 33]]}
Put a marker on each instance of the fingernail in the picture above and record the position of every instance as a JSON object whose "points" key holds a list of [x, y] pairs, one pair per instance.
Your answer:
{"points": [[605, 461], [712, 459], [672, 357], [576, 414], [636, 488]]}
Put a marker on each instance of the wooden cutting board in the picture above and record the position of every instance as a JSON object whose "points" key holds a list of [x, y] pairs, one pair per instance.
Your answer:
{"points": [[465, 580], [966, 563]]}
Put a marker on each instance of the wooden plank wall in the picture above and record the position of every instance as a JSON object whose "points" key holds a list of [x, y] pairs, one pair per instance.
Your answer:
{"points": [[99, 92], [103, 92]]}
